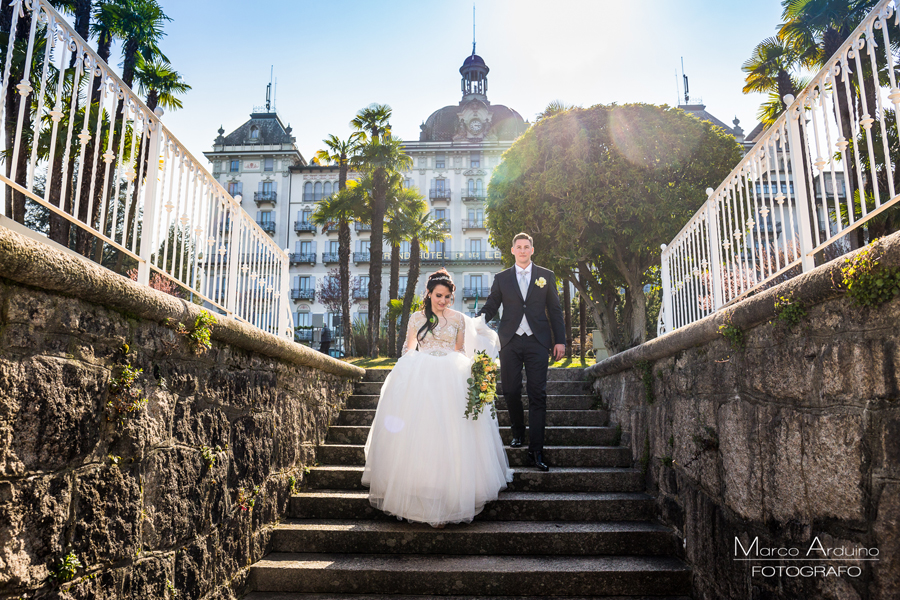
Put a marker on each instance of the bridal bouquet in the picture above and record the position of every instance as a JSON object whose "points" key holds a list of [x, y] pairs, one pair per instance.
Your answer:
{"points": [[482, 386]]}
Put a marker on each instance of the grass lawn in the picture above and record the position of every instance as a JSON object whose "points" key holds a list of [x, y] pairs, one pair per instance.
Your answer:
{"points": [[383, 362]]}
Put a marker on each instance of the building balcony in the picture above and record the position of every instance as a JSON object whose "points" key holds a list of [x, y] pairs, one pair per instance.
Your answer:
{"points": [[303, 294], [361, 257], [477, 292], [439, 195], [303, 335], [259, 197], [473, 196], [267, 226], [360, 293], [472, 224], [362, 226], [302, 258], [303, 226], [330, 258]]}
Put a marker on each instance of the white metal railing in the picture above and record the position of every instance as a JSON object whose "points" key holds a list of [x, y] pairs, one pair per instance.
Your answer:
{"points": [[117, 183], [822, 170]]}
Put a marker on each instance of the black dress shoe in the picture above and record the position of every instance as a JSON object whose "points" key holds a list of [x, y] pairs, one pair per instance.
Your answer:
{"points": [[516, 442], [536, 459]]}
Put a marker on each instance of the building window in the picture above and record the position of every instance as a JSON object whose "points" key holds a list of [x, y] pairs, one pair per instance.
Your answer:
{"points": [[269, 164], [479, 187], [308, 192], [267, 187], [265, 216], [318, 194], [475, 160], [235, 188], [475, 283], [439, 184], [439, 162], [304, 319], [305, 282], [440, 213], [402, 284], [327, 189], [365, 246], [254, 133], [334, 246], [474, 245], [306, 248], [235, 165]]}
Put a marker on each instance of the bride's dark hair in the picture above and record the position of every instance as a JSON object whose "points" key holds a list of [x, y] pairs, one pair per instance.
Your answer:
{"points": [[439, 277]]}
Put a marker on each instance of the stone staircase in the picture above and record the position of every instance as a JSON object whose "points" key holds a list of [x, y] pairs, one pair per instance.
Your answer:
{"points": [[582, 530]]}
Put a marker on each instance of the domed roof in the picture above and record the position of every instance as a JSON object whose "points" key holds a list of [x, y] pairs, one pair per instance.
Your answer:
{"points": [[441, 126], [471, 61]]}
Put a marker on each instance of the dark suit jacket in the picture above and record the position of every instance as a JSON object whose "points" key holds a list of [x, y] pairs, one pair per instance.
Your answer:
{"points": [[539, 302]]}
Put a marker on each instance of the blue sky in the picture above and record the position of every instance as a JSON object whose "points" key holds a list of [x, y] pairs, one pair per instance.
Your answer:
{"points": [[334, 57]]}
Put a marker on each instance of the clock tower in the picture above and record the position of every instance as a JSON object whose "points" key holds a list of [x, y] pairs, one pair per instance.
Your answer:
{"points": [[475, 109]]}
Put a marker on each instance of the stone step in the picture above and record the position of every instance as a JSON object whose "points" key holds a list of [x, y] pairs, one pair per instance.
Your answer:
{"points": [[525, 479], [554, 402], [474, 576], [555, 418], [301, 596], [510, 506], [577, 374], [553, 387], [553, 436], [555, 456], [481, 538]]}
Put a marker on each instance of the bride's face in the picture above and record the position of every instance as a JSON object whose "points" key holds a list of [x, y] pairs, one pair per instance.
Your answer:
{"points": [[441, 297]]}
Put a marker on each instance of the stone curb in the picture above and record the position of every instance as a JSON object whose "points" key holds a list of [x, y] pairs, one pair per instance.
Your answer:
{"points": [[33, 263], [811, 288]]}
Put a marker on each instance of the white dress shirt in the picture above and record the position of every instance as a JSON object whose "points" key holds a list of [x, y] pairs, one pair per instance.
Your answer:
{"points": [[523, 278]]}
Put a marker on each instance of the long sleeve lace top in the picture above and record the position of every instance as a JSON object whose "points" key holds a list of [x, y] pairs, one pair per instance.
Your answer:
{"points": [[447, 336]]}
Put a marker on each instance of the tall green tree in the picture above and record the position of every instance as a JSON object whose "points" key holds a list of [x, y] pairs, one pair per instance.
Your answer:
{"points": [[340, 152], [340, 209], [600, 189], [397, 229], [423, 229], [159, 83], [380, 156]]}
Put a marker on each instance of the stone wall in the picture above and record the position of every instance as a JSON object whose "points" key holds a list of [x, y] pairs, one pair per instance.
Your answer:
{"points": [[792, 437], [175, 499]]}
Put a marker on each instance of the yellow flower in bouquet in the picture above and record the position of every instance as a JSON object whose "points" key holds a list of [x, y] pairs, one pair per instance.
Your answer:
{"points": [[482, 386]]}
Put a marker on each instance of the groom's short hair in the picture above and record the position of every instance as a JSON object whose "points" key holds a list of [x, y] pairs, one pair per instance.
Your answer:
{"points": [[523, 236]]}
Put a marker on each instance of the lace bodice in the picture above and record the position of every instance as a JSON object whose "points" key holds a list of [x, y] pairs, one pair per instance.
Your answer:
{"points": [[441, 340]]}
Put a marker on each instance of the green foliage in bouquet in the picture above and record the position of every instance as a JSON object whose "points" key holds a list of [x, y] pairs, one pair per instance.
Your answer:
{"points": [[482, 386]]}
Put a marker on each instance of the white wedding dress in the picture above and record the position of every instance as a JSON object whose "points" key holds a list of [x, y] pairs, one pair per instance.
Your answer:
{"points": [[425, 461]]}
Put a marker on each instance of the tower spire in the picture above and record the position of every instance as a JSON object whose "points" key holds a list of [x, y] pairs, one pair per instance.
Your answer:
{"points": [[473, 29]]}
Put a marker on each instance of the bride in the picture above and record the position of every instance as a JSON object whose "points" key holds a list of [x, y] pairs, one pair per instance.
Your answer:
{"points": [[425, 461]]}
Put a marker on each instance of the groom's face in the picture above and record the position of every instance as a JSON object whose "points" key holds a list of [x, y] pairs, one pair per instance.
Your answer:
{"points": [[522, 250]]}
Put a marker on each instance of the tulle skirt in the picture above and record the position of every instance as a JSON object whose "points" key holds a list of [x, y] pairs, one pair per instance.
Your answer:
{"points": [[425, 461]]}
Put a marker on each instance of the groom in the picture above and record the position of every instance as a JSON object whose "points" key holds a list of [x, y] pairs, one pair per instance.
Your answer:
{"points": [[528, 295]]}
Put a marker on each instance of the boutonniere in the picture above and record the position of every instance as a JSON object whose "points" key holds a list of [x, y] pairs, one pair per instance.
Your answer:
{"points": [[540, 282]]}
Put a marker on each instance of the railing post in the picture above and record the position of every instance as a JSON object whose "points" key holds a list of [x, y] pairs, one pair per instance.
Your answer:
{"points": [[666, 291], [715, 258], [286, 319], [234, 258], [794, 114], [151, 201]]}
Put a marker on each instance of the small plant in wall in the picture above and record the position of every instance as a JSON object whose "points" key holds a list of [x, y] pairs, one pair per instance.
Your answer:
{"points": [[199, 336], [211, 454], [867, 282], [124, 399], [789, 312], [732, 333], [67, 568], [246, 500]]}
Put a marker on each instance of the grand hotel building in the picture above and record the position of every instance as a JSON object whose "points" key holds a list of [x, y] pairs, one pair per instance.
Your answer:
{"points": [[458, 148]]}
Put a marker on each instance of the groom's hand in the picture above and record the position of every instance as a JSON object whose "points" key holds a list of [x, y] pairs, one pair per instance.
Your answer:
{"points": [[559, 350]]}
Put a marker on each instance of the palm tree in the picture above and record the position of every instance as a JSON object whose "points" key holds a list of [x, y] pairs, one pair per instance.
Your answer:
{"points": [[381, 158], [397, 230], [423, 229], [378, 156], [341, 208], [555, 107], [160, 83], [769, 70], [139, 24], [339, 152]]}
